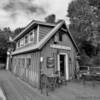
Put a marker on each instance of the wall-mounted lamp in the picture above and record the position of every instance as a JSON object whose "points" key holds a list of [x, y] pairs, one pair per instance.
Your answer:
{"points": [[41, 59]]}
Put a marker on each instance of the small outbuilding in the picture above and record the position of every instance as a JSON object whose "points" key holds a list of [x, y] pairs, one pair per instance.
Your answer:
{"points": [[44, 47]]}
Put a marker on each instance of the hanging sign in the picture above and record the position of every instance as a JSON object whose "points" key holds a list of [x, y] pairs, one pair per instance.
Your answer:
{"points": [[50, 62], [60, 47]]}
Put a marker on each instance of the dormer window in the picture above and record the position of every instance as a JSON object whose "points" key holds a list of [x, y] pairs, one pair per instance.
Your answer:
{"points": [[26, 39], [22, 42], [18, 44], [31, 36]]}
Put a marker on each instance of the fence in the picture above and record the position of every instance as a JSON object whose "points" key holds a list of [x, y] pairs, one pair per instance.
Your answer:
{"points": [[91, 69]]}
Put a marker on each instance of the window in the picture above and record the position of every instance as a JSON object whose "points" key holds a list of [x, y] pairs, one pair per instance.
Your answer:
{"points": [[31, 36], [26, 39], [22, 42], [18, 44], [60, 36]]}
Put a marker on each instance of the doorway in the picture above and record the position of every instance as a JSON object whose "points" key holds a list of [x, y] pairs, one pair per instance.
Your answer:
{"points": [[63, 65]]}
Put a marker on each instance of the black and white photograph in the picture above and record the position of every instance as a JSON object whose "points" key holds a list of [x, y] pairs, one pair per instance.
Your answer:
{"points": [[49, 50]]}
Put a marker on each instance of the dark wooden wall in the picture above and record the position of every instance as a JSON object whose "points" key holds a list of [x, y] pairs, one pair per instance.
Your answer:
{"points": [[27, 72]]}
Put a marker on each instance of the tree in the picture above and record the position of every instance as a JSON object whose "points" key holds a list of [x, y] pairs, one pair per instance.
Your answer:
{"points": [[17, 31], [5, 33], [85, 25]]}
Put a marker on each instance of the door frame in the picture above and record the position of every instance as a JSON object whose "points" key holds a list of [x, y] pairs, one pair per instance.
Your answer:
{"points": [[66, 65]]}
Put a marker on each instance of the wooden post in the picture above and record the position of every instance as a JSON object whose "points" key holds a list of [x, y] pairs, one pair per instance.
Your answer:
{"points": [[8, 61]]}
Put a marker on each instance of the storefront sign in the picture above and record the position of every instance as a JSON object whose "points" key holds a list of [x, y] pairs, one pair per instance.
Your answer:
{"points": [[50, 62], [60, 47]]}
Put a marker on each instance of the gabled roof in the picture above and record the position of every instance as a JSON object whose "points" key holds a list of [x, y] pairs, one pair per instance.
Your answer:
{"points": [[39, 45]]}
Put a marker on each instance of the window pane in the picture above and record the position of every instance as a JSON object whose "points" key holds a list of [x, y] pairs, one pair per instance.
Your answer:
{"points": [[18, 44], [32, 36], [22, 42], [26, 39]]}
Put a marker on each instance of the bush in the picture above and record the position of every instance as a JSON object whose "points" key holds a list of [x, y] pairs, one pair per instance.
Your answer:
{"points": [[2, 66]]}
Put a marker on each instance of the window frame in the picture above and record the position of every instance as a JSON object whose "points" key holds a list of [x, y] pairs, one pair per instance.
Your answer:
{"points": [[25, 39], [18, 44], [23, 43], [32, 33]]}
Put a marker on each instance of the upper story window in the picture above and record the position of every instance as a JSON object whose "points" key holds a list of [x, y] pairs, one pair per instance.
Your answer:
{"points": [[22, 42], [18, 44], [26, 39], [31, 36]]}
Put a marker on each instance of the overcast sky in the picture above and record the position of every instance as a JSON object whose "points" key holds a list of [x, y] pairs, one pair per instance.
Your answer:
{"points": [[18, 13]]}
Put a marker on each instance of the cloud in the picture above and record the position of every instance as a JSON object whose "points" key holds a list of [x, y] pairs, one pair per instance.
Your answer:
{"points": [[14, 7], [18, 13]]}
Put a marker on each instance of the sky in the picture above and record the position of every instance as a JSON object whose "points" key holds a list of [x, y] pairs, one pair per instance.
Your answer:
{"points": [[18, 13]]}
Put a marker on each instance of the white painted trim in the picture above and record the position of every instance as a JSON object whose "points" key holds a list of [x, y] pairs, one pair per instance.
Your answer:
{"points": [[7, 63], [60, 47], [66, 62], [58, 59], [38, 33]]}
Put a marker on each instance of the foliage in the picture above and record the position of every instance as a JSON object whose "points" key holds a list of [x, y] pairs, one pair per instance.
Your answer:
{"points": [[85, 25], [17, 31], [4, 41]]}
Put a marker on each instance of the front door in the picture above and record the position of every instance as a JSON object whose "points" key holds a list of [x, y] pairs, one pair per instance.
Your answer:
{"points": [[63, 65]]}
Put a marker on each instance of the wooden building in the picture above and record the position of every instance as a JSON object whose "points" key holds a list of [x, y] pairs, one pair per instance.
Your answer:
{"points": [[44, 47]]}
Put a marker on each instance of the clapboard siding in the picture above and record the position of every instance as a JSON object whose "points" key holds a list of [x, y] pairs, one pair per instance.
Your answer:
{"points": [[27, 65], [43, 31], [30, 73], [50, 52]]}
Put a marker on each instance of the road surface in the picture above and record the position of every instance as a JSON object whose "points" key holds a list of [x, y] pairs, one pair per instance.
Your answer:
{"points": [[15, 89]]}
